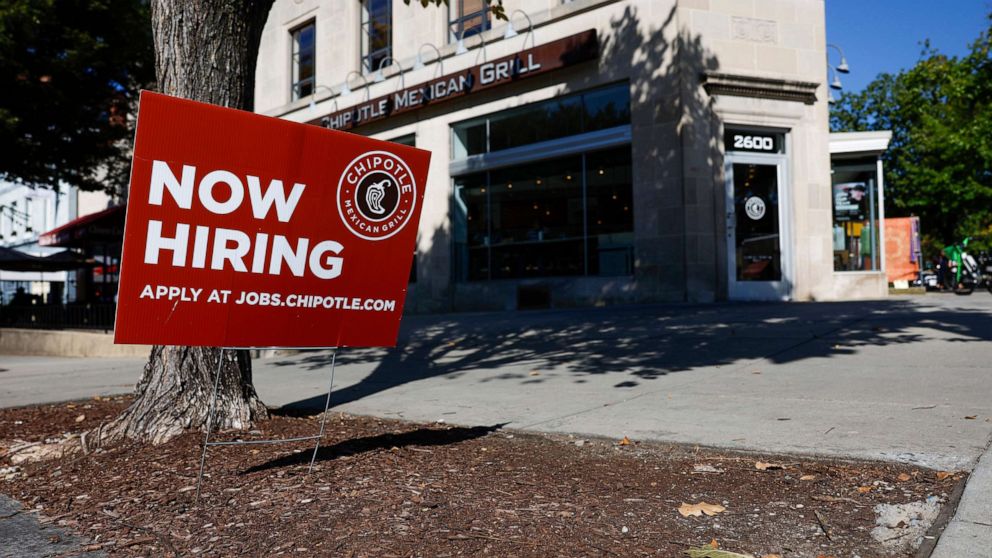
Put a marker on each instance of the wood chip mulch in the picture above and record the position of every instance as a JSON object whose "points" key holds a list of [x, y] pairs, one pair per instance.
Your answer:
{"points": [[387, 488]]}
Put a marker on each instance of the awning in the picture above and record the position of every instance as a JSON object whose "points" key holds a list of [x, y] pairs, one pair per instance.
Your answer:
{"points": [[14, 260], [102, 226]]}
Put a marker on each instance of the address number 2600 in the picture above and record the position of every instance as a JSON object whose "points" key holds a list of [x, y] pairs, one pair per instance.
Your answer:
{"points": [[758, 143]]}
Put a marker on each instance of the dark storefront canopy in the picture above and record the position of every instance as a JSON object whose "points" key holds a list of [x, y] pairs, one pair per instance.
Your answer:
{"points": [[102, 227], [13, 260]]}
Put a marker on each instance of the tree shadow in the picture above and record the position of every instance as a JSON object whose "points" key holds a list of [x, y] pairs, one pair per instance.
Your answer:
{"points": [[639, 343], [425, 437], [680, 253]]}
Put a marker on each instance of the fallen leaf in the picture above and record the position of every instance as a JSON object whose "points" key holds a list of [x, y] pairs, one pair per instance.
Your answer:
{"points": [[80, 418], [941, 475], [697, 510], [534, 373], [807, 477], [624, 442], [714, 544], [707, 552], [771, 556], [903, 477], [762, 466], [864, 489], [971, 417], [705, 468]]}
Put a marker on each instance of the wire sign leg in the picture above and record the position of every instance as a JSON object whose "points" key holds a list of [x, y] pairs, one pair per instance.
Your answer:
{"points": [[323, 417], [210, 423]]}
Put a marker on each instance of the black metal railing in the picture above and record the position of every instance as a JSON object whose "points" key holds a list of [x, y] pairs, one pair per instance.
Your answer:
{"points": [[59, 316]]}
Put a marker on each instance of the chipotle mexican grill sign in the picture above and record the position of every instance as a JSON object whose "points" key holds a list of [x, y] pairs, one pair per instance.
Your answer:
{"points": [[528, 63]]}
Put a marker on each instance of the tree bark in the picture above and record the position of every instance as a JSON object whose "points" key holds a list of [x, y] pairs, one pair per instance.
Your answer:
{"points": [[205, 50]]}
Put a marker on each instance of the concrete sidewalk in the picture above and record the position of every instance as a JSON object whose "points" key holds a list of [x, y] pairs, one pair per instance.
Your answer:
{"points": [[891, 379]]}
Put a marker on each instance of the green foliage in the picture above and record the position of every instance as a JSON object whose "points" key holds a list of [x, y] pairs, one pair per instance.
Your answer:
{"points": [[939, 164], [71, 70]]}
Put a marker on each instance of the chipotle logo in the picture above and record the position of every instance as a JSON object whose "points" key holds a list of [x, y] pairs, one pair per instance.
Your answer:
{"points": [[376, 195]]}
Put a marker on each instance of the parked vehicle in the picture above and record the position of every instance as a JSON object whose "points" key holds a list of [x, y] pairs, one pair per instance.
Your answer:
{"points": [[965, 272]]}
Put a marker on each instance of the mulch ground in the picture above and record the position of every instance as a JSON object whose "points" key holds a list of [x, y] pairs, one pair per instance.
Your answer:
{"points": [[387, 488]]}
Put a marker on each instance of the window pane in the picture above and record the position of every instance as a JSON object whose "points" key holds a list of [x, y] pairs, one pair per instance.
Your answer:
{"points": [[471, 227], [304, 61], [606, 108], [377, 33], [468, 17], [469, 139], [536, 219], [547, 120], [610, 206], [855, 201], [533, 123]]}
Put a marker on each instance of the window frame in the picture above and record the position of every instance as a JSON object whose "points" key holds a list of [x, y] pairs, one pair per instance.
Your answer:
{"points": [[456, 23], [296, 84], [365, 39]]}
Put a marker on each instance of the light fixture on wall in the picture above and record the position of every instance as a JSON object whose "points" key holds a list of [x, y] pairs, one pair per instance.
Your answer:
{"points": [[346, 89], [460, 47], [379, 77], [511, 31], [313, 96], [419, 64], [836, 84], [841, 68]]}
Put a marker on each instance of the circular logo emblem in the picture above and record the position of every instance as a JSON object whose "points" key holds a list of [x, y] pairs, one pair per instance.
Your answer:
{"points": [[754, 207], [376, 195]]}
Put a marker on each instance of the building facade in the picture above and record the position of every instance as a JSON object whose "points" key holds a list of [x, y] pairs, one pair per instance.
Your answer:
{"points": [[590, 151], [25, 215]]}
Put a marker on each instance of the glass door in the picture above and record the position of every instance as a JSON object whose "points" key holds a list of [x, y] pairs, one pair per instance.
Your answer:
{"points": [[756, 228]]}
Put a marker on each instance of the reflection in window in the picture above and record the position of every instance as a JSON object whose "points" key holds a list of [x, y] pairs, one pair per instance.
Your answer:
{"points": [[411, 140], [565, 216], [304, 63], [377, 33], [467, 18], [563, 116], [855, 222]]}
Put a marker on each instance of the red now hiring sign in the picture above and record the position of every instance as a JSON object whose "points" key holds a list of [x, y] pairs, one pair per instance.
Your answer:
{"points": [[244, 231]]}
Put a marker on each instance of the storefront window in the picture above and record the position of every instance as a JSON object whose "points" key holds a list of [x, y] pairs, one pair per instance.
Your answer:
{"points": [[558, 217], [598, 109], [855, 211]]}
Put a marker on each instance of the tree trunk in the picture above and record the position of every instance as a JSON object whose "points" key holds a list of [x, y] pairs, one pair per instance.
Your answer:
{"points": [[205, 50]]}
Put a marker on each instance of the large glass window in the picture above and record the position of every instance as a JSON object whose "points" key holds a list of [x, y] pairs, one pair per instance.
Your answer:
{"points": [[304, 61], [598, 109], [377, 33], [467, 18], [855, 204], [565, 216]]}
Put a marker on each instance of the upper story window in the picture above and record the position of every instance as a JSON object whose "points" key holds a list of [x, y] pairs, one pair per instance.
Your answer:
{"points": [[468, 17], [304, 60], [377, 33]]}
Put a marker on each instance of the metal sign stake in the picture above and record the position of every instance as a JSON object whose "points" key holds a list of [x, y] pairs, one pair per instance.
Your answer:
{"points": [[210, 420]]}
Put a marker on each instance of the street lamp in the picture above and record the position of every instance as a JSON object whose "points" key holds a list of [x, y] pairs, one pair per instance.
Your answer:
{"points": [[835, 84]]}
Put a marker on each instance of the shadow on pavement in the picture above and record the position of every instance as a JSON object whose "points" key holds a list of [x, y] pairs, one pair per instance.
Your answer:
{"points": [[641, 343]]}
